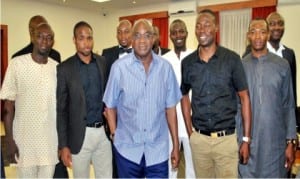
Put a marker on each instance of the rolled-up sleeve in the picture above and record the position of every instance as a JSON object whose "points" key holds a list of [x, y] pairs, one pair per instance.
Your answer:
{"points": [[112, 90], [174, 93]]}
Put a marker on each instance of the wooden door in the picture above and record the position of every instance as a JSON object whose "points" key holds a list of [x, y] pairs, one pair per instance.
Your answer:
{"points": [[4, 56]]}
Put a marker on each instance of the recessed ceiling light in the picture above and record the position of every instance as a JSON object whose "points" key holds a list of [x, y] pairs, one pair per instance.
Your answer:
{"points": [[100, 0]]}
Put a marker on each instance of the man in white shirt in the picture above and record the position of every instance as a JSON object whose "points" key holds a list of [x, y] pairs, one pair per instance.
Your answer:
{"points": [[178, 35], [276, 26], [29, 114]]}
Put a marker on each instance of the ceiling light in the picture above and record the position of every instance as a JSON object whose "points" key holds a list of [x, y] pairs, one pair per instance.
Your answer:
{"points": [[100, 0]]}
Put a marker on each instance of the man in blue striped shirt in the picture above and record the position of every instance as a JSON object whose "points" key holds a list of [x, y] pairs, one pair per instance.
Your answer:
{"points": [[141, 97]]}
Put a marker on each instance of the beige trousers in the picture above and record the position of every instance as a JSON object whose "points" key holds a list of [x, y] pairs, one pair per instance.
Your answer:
{"points": [[214, 157]]}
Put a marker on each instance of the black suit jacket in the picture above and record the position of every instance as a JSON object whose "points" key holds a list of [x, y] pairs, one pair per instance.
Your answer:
{"points": [[164, 50], [71, 103], [289, 55], [111, 55], [29, 48]]}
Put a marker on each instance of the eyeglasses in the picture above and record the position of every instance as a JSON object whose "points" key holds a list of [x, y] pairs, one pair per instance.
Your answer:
{"points": [[147, 36]]}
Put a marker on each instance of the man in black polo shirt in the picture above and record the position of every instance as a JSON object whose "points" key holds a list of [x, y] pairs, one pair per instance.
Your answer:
{"points": [[216, 77]]}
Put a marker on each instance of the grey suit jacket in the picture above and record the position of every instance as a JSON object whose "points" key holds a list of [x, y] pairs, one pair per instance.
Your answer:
{"points": [[71, 103]]}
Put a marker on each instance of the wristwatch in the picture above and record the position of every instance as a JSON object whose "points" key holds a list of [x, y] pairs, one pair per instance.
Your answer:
{"points": [[246, 139], [291, 141]]}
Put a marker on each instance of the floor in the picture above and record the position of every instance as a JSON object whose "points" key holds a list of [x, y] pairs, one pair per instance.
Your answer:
{"points": [[10, 169]]}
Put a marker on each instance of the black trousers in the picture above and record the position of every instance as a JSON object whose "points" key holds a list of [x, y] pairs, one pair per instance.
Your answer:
{"points": [[60, 171], [2, 167]]}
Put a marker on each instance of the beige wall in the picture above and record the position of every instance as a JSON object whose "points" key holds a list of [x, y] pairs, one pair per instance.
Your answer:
{"points": [[291, 36], [16, 13]]}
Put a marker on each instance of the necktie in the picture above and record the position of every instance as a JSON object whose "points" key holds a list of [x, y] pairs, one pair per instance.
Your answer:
{"points": [[123, 50]]}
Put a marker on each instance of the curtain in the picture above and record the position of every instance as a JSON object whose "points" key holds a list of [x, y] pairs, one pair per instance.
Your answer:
{"points": [[217, 13], [163, 25], [262, 12], [233, 29]]}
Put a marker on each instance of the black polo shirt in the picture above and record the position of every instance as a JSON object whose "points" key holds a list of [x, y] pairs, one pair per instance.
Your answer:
{"points": [[214, 86]]}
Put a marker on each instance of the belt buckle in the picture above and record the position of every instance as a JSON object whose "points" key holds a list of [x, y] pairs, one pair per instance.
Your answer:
{"points": [[214, 134], [96, 124]]}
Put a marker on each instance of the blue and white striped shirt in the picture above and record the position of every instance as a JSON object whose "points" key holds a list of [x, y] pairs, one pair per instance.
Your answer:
{"points": [[141, 101]]}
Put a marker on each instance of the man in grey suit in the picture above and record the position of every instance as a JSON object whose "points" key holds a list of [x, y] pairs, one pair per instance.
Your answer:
{"points": [[81, 81]]}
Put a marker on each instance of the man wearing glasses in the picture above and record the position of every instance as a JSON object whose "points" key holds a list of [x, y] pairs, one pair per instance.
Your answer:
{"points": [[141, 97]]}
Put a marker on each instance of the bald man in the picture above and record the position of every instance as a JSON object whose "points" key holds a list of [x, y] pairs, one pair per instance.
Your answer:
{"points": [[29, 94], [156, 45], [60, 170], [112, 54], [33, 23], [124, 43], [276, 25]]}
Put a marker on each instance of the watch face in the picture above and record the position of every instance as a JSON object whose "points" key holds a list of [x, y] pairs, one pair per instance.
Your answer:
{"points": [[246, 139]]}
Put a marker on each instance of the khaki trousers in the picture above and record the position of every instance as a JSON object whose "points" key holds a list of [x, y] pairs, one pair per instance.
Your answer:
{"points": [[214, 157]]}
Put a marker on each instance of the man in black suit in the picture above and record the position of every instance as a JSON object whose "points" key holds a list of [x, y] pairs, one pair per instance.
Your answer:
{"points": [[33, 22], [81, 81], [276, 26], [60, 169], [123, 48], [156, 45], [113, 53]]}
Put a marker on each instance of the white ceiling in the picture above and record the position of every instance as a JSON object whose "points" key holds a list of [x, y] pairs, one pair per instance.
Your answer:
{"points": [[113, 5]]}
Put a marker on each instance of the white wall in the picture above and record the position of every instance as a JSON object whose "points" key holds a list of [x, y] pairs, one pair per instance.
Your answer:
{"points": [[291, 38], [16, 14]]}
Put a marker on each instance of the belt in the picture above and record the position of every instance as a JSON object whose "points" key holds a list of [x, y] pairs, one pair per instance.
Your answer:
{"points": [[95, 125], [216, 134]]}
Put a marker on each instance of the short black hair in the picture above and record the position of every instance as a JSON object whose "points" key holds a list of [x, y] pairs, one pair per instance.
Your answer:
{"points": [[81, 24], [259, 19], [209, 11]]}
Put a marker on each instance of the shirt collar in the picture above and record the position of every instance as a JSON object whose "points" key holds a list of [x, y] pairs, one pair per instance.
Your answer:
{"points": [[217, 53], [273, 50], [81, 62], [134, 59]]}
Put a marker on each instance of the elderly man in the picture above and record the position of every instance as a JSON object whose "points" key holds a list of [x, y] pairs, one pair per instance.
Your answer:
{"points": [[141, 97]]}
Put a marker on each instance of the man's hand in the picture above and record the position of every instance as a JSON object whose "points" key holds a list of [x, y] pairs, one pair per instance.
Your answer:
{"points": [[175, 158], [290, 156], [13, 151], [244, 153], [66, 156]]}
